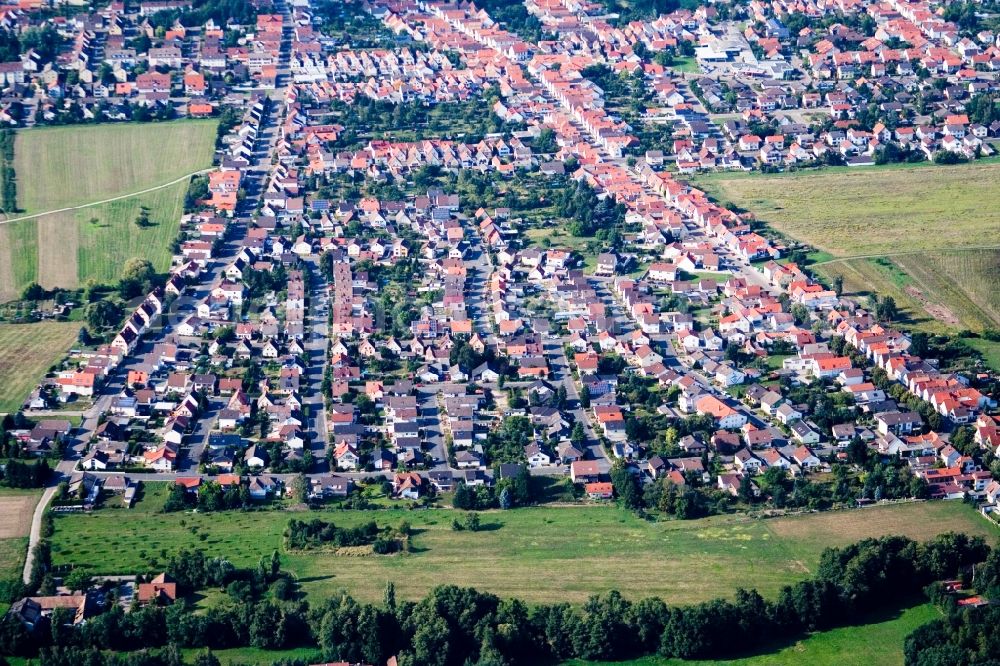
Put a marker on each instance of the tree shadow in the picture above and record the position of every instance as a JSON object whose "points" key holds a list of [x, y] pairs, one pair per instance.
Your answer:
{"points": [[195, 598], [878, 616], [489, 527]]}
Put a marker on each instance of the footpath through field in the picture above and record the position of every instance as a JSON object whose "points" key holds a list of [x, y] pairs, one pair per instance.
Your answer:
{"points": [[960, 248], [109, 200]]}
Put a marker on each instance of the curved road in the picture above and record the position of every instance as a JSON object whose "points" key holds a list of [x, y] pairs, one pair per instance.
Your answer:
{"points": [[60, 473]]}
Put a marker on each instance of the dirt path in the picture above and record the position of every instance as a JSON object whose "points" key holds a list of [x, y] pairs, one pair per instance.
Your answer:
{"points": [[936, 310], [61, 473], [109, 200], [36, 530], [907, 252]]}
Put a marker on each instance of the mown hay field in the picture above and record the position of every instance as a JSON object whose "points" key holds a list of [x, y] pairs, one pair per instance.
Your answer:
{"points": [[57, 167], [16, 509], [27, 351], [92, 171], [925, 235], [68, 248], [541, 554], [873, 211]]}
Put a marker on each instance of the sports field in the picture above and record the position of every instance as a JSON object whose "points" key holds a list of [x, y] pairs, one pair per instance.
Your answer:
{"points": [[924, 235], [540, 555], [58, 167], [84, 166], [26, 353]]}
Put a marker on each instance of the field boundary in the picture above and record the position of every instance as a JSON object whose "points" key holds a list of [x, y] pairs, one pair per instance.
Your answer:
{"points": [[922, 275], [962, 248], [109, 200]]}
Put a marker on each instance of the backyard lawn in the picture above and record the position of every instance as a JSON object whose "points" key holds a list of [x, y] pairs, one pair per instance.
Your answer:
{"points": [[540, 554]]}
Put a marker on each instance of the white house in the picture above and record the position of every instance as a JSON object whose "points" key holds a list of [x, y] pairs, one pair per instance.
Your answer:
{"points": [[536, 456]]}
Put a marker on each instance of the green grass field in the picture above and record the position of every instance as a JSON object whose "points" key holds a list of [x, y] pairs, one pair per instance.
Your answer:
{"points": [[58, 167], [872, 211], [80, 166], [255, 656], [18, 257], [989, 349], [876, 642], [12, 553], [686, 65], [105, 246], [26, 353], [918, 233], [540, 555], [68, 248], [16, 508]]}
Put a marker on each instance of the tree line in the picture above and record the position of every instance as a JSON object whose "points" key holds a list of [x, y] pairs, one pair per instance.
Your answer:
{"points": [[457, 626], [45, 41], [8, 184], [210, 496], [364, 118], [302, 535], [220, 11], [962, 638], [21, 474]]}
